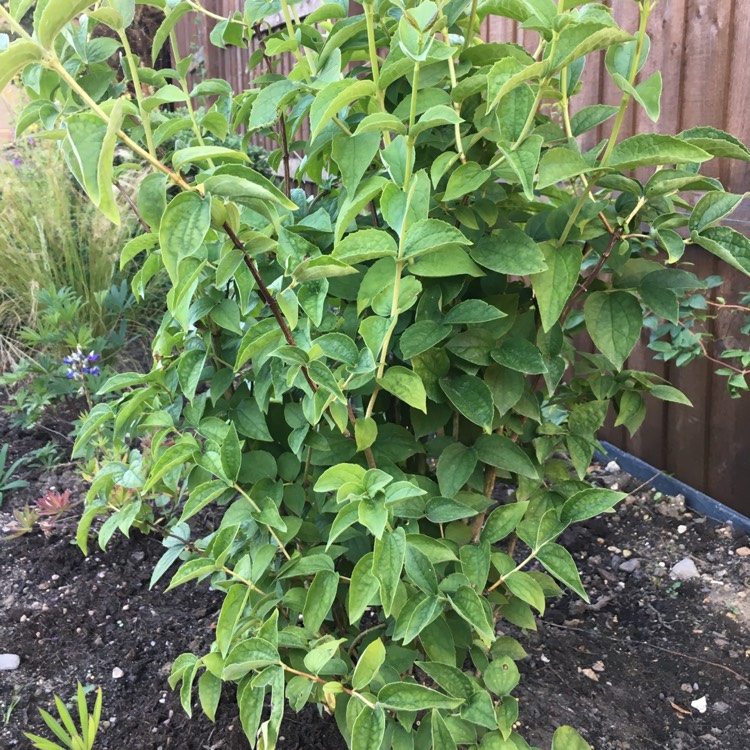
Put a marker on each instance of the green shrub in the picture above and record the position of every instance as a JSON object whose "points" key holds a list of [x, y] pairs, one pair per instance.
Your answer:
{"points": [[345, 378]]}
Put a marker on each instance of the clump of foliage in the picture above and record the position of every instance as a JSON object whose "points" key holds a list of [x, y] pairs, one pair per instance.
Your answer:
{"points": [[7, 482], [65, 730], [343, 379], [61, 357], [51, 238]]}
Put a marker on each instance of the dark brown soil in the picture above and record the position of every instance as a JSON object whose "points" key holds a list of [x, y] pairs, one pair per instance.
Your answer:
{"points": [[623, 670]]}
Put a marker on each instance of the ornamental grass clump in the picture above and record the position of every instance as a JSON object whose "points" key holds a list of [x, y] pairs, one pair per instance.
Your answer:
{"points": [[341, 381]]}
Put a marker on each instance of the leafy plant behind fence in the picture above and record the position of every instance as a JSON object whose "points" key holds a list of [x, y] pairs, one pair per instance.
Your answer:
{"points": [[345, 379]]}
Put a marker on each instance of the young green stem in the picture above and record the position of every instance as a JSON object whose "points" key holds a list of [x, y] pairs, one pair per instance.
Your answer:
{"points": [[247, 497], [314, 678], [133, 68], [646, 9]]}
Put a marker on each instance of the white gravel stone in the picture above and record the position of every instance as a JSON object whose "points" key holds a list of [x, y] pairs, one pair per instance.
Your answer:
{"points": [[684, 570], [117, 673], [9, 661]]}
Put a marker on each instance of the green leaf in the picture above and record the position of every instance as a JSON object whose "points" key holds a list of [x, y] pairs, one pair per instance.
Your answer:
{"points": [[368, 729], [713, 207], [560, 164], [353, 204], [183, 230], [366, 244], [589, 503], [230, 615], [320, 598], [363, 588], [502, 676], [646, 93], [716, 142], [323, 267], [250, 701], [387, 564], [668, 393], [249, 655], [331, 479], [176, 12], [502, 521], [441, 736], [526, 588], [429, 235], [560, 563], [420, 570], [421, 336], [591, 117], [406, 696], [55, 14], [566, 738], [152, 199], [354, 154], [231, 454], [580, 39], [468, 312], [519, 354], [209, 694], [455, 465], [468, 605], [198, 154], [368, 664], [524, 161], [406, 385], [244, 185], [203, 495], [333, 97], [433, 118], [728, 244], [105, 169], [651, 150], [449, 678], [553, 287], [502, 453], [614, 320], [509, 251], [365, 432], [443, 263], [467, 178], [472, 398]]}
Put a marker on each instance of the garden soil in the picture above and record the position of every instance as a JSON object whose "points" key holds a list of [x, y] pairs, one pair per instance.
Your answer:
{"points": [[651, 662]]}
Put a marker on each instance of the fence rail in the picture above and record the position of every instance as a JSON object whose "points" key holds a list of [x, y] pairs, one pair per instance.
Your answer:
{"points": [[702, 48]]}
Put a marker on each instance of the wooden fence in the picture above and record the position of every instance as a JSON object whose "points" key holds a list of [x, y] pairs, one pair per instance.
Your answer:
{"points": [[702, 48]]}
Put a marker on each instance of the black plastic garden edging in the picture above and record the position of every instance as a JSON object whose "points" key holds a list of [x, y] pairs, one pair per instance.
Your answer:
{"points": [[662, 482]]}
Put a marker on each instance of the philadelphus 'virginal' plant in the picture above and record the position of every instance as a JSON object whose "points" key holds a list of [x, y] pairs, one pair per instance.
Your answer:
{"points": [[344, 378]]}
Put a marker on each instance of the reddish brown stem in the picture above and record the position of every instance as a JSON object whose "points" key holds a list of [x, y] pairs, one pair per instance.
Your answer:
{"points": [[132, 205], [589, 280]]}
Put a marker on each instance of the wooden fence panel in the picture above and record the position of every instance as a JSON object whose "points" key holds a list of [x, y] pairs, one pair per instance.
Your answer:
{"points": [[702, 48]]}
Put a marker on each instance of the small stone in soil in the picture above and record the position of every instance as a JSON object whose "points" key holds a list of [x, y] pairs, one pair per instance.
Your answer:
{"points": [[612, 467], [630, 566], [684, 570], [700, 705], [9, 661], [721, 707], [743, 551], [117, 673]]}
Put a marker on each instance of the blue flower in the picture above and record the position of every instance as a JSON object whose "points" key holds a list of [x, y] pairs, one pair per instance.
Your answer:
{"points": [[92, 357], [68, 360], [70, 374]]}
